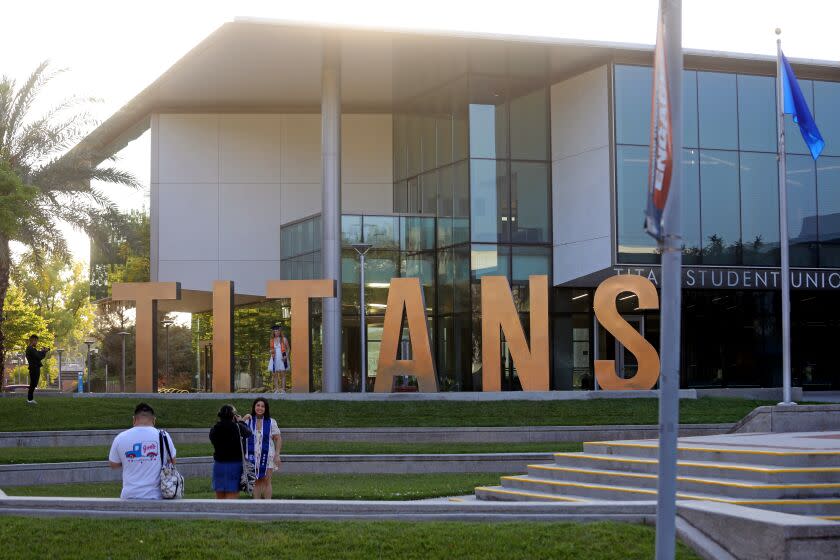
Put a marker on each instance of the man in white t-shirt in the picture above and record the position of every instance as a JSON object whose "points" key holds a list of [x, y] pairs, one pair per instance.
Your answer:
{"points": [[136, 452]]}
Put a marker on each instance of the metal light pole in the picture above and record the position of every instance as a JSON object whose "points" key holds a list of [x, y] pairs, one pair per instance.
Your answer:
{"points": [[59, 351], [671, 246], [123, 334], [362, 249], [89, 343]]}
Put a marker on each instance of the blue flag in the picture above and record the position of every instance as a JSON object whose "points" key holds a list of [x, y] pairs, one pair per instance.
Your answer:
{"points": [[794, 104]]}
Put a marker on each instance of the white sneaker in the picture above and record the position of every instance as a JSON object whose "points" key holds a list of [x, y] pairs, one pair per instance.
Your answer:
{"points": [[31, 402]]}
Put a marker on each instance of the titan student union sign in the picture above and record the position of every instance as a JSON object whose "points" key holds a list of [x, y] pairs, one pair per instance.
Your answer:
{"points": [[405, 301]]}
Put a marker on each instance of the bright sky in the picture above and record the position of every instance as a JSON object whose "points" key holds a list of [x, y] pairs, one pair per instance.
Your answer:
{"points": [[114, 49]]}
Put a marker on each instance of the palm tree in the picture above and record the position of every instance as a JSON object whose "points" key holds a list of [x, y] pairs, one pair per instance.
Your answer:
{"points": [[45, 177]]}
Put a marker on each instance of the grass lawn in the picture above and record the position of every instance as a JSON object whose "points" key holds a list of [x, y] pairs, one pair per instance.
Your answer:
{"points": [[66, 413], [19, 455], [70, 538], [303, 487]]}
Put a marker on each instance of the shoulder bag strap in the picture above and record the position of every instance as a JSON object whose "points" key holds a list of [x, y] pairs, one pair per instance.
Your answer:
{"points": [[164, 446]]}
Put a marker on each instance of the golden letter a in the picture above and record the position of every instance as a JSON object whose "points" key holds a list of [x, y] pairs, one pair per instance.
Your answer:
{"points": [[405, 294]]}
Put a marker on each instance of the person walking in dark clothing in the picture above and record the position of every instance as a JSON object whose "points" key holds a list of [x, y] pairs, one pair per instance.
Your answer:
{"points": [[34, 357]]}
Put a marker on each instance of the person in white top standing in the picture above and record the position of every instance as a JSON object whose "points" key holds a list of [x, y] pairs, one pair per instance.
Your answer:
{"points": [[137, 452], [278, 345]]}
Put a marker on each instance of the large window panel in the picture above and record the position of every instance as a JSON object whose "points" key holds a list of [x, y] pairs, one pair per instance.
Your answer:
{"points": [[720, 207], [530, 207], [757, 113], [760, 209], [380, 268], [632, 104], [718, 110], [417, 233], [446, 280], [802, 210], [400, 196], [793, 138], [690, 203], [428, 192], [529, 125], [634, 245], [489, 199], [828, 185], [445, 191], [351, 230], [689, 109], [827, 115], [443, 128], [429, 143], [382, 232], [489, 260], [461, 272]]}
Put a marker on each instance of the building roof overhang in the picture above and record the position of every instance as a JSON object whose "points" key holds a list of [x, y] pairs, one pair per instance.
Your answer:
{"points": [[256, 66]]}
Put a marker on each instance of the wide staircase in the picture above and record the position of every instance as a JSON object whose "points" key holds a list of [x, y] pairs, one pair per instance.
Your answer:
{"points": [[737, 469]]}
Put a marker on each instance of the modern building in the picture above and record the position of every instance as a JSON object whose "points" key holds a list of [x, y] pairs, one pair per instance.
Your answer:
{"points": [[276, 146]]}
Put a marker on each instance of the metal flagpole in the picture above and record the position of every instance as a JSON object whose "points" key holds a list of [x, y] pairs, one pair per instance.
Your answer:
{"points": [[783, 227], [669, 341]]}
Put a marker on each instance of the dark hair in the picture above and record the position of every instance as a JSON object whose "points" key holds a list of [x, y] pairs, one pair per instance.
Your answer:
{"points": [[143, 408], [254, 407], [33, 337], [227, 412]]}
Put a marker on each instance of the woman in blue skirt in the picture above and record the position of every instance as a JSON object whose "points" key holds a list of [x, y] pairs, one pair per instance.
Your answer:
{"points": [[226, 437]]}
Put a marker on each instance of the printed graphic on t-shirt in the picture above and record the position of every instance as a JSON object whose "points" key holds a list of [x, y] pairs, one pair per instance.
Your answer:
{"points": [[142, 450]]}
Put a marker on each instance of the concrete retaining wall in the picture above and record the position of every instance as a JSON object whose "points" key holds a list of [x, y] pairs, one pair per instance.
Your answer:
{"points": [[99, 471], [755, 534], [263, 510], [554, 434], [470, 396], [760, 393], [787, 418]]}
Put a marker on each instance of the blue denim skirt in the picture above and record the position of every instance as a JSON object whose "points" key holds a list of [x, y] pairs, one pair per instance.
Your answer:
{"points": [[226, 476]]}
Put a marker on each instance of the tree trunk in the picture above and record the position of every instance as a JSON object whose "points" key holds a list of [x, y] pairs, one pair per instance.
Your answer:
{"points": [[5, 269]]}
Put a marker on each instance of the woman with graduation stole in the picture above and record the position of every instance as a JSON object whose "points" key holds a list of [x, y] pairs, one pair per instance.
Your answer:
{"points": [[263, 446]]}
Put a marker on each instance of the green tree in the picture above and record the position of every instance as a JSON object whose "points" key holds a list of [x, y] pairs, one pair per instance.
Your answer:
{"points": [[44, 182], [60, 294]]}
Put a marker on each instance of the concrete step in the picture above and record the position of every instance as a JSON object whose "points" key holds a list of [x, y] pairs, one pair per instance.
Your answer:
{"points": [[725, 487], [503, 494], [742, 471], [611, 492], [695, 452]]}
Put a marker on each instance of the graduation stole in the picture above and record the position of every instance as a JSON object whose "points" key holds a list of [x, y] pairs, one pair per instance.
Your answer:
{"points": [[266, 438]]}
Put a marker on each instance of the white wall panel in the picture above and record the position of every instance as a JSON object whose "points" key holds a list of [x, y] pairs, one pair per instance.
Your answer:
{"points": [[249, 277], [370, 198], [250, 148], [193, 275], [579, 114], [578, 259], [581, 192], [301, 161], [188, 149], [249, 221], [188, 221], [582, 196], [366, 149], [299, 200]]}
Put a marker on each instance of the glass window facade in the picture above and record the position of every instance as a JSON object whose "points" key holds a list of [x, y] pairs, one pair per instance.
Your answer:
{"points": [[730, 177]]}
